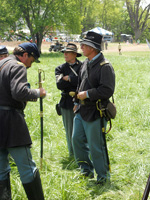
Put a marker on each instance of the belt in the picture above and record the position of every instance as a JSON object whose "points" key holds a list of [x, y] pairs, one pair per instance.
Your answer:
{"points": [[10, 108], [65, 94], [82, 102]]}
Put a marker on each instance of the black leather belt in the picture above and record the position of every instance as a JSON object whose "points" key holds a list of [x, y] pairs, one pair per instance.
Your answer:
{"points": [[10, 108], [82, 102]]}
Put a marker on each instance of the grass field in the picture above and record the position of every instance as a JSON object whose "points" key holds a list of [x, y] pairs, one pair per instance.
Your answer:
{"points": [[128, 142]]}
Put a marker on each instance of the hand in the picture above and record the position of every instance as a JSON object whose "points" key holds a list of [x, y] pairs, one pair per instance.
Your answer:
{"points": [[82, 95], [66, 78], [42, 92]]}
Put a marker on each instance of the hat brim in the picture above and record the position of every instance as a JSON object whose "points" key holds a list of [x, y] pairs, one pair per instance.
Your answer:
{"points": [[67, 50], [88, 43], [37, 61]]}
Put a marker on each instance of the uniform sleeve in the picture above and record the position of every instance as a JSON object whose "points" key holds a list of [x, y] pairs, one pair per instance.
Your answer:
{"points": [[61, 84], [106, 84], [19, 85]]}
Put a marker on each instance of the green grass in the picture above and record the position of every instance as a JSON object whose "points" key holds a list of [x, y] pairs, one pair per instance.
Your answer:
{"points": [[128, 142]]}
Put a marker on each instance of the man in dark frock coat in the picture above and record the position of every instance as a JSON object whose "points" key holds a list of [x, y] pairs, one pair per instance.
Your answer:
{"points": [[96, 82], [14, 134]]}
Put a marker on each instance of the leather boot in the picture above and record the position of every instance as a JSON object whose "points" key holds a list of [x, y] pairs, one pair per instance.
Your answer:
{"points": [[34, 189], [5, 189]]}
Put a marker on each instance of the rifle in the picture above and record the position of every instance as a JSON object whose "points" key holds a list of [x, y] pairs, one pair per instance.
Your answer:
{"points": [[147, 189], [100, 109], [41, 114]]}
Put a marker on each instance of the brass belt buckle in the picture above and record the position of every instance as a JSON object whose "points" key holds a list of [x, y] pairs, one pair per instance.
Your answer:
{"points": [[82, 102]]}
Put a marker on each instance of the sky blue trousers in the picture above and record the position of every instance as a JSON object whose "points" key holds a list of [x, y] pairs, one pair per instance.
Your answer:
{"points": [[68, 116], [89, 148], [23, 159]]}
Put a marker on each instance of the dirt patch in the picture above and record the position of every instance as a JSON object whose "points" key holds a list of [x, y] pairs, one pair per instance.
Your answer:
{"points": [[112, 47]]}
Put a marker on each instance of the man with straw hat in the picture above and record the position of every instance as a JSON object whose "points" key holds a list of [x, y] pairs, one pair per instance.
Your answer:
{"points": [[66, 81]]}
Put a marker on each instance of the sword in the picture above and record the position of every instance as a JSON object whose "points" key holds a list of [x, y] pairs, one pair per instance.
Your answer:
{"points": [[98, 105], [40, 71], [147, 189]]}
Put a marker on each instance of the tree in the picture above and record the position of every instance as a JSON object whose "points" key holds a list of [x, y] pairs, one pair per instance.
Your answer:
{"points": [[88, 11], [71, 16], [37, 15], [7, 20], [113, 16], [40, 16], [138, 16]]}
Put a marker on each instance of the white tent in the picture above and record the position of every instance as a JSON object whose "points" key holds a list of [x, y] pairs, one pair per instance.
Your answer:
{"points": [[107, 35], [100, 31]]}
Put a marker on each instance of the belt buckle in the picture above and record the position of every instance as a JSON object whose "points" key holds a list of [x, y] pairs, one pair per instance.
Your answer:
{"points": [[82, 102]]}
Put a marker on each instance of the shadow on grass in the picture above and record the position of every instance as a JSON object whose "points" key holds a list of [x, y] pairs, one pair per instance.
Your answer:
{"points": [[97, 190], [68, 163], [52, 55]]}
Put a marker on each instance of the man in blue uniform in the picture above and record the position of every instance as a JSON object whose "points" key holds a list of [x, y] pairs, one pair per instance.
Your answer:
{"points": [[14, 134], [96, 82], [3, 52], [66, 80]]}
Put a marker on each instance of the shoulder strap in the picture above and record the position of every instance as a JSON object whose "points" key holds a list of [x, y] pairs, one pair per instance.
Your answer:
{"points": [[73, 70], [104, 62], [113, 99]]}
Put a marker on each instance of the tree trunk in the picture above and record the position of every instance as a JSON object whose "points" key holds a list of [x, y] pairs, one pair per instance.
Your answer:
{"points": [[39, 37], [138, 17], [137, 34]]}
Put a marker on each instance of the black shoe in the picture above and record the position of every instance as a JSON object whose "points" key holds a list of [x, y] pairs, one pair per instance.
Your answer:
{"points": [[87, 174], [102, 181], [5, 189]]}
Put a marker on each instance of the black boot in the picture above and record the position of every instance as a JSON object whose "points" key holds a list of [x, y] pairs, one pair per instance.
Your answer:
{"points": [[34, 189], [5, 189]]}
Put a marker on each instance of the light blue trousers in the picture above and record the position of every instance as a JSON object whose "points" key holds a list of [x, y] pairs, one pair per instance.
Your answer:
{"points": [[68, 116], [23, 159], [89, 148]]}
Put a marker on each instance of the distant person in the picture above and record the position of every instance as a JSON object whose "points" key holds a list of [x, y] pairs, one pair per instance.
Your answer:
{"points": [[3, 52], [138, 41], [106, 44], [119, 49], [14, 134], [66, 80], [102, 44]]}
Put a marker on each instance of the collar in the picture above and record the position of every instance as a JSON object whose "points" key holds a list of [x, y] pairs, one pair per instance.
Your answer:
{"points": [[72, 64], [94, 58]]}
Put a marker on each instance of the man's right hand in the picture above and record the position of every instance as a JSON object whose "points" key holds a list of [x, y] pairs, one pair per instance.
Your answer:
{"points": [[42, 92]]}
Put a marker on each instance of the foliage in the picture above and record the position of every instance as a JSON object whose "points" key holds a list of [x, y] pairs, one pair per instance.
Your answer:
{"points": [[108, 14], [42, 16], [89, 13], [37, 14], [128, 141], [74, 17], [113, 16], [7, 20], [71, 16]]}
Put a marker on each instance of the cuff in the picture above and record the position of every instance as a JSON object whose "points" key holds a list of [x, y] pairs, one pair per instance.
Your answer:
{"points": [[87, 94], [38, 93]]}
